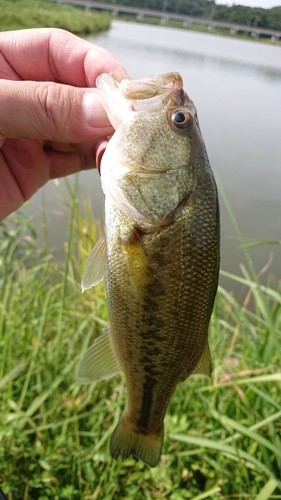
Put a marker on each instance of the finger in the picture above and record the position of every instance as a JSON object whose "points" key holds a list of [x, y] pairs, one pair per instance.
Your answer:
{"points": [[31, 169], [92, 150], [51, 111], [60, 147], [55, 55], [62, 164]]}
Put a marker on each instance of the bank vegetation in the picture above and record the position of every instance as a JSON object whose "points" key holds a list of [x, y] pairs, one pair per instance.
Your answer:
{"points": [[21, 14], [222, 436], [209, 9]]}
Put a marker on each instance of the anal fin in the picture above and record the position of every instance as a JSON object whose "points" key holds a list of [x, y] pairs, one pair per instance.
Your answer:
{"points": [[100, 361], [204, 365]]}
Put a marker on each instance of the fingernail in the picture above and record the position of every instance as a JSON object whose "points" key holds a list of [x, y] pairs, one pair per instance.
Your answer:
{"points": [[120, 74], [94, 114]]}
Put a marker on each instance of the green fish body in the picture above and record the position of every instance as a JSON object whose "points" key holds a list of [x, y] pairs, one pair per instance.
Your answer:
{"points": [[160, 252]]}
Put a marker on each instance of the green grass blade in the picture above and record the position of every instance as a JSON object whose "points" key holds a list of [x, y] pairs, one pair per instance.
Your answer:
{"points": [[272, 418], [267, 490], [272, 377], [261, 243], [247, 255], [244, 431], [73, 198], [229, 451], [207, 494]]}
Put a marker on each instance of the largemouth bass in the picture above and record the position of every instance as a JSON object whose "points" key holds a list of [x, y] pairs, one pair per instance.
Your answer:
{"points": [[160, 255]]}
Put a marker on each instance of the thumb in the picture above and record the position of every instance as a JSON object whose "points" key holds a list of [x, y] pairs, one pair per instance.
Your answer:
{"points": [[51, 111]]}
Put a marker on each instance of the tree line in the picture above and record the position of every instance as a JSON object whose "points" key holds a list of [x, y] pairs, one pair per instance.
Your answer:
{"points": [[208, 9]]}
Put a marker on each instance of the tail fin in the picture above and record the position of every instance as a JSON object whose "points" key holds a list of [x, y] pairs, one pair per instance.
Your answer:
{"points": [[125, 441]]}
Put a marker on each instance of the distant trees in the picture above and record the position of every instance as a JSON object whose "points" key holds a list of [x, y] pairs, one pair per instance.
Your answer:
{"points": [[273, 18], [251, 16], [196, 8]]}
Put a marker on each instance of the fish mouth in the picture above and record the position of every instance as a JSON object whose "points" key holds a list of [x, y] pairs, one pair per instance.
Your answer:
{"points": [[142, 89], [147, 88], [146, 94], [129, 96]]}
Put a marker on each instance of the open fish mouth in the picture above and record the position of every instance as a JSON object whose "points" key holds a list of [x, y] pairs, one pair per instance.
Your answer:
{"points": [[142, 95], [150, 87]]}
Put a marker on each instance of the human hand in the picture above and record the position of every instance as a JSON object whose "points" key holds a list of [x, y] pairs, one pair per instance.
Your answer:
{"points": [[46, 94]]}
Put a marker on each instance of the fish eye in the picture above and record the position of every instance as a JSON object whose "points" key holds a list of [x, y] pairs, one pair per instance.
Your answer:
{"points": [[181, 119]]}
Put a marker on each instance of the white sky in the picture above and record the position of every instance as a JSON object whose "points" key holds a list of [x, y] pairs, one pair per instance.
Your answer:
{"points": [[265, 4]]}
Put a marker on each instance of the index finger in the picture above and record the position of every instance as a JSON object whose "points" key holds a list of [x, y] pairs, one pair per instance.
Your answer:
{"points": [[51, 54]]}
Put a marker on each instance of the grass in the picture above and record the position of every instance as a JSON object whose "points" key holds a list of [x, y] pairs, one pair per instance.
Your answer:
{"points": [[21, 14], [222, 437]]}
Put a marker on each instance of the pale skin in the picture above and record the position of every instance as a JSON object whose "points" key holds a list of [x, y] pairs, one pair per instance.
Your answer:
{"points": [[47, 93]]}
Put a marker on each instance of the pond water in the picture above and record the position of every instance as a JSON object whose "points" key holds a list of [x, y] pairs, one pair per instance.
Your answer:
{"points": [[236, 87]]}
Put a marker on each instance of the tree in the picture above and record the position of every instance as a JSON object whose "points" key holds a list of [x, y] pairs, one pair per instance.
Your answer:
{"points": [[237, 14], [273, 19]]}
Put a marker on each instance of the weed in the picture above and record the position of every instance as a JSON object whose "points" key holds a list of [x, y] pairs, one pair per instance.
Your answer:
{"points": [[222, 437]]}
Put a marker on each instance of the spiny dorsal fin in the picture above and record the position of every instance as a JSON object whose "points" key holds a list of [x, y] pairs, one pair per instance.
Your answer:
{"points": [[95, 265], [100, 361]]}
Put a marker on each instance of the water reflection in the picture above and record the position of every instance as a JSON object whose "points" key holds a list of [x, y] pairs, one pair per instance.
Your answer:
{"points": [[197, 48], [198, 59]]}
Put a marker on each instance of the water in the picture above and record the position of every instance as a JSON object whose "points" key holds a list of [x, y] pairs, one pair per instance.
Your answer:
{"points": [[236, 86]]}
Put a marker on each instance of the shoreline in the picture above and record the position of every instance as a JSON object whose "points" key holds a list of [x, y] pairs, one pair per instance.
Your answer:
{"points": [[41, 13], [195, 28]]}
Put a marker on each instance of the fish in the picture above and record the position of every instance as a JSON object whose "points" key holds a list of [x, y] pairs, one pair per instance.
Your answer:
{"points": [[159, 255]]}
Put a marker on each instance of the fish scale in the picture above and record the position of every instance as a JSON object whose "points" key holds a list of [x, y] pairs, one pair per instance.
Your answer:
{"points": [[162, 259]]}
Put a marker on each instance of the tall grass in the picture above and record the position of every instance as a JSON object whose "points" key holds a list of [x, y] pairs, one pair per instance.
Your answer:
{"points": [[21, 14], [222, 437]]}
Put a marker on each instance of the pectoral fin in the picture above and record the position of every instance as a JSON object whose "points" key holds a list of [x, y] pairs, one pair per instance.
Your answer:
{"points": [[95, 265], [203, 366], [100, 361]]}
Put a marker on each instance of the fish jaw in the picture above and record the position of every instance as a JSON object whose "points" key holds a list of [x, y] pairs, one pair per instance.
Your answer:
{"points": [[122, 100], [117, 99]]}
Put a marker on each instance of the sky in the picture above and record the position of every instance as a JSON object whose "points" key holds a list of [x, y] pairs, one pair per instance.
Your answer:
{"points": [[265, 4]]}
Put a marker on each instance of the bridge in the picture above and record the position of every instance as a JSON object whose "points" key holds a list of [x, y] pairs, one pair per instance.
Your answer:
{"points": [[187, 21]]}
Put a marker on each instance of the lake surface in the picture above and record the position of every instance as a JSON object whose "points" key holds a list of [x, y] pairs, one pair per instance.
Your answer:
{"points": [[236, 87]]}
